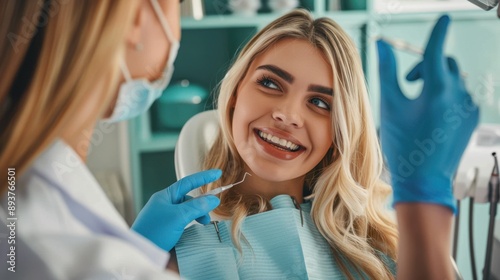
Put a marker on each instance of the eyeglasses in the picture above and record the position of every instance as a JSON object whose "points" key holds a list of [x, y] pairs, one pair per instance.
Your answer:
{"points": [[485, 4]]}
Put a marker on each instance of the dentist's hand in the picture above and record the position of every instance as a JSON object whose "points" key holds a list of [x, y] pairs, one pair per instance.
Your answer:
{"points": [[423, 139], [163, 218]]}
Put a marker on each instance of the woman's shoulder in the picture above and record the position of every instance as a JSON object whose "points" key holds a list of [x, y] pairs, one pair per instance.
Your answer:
{"points": [[43, 207], [56, 185]]}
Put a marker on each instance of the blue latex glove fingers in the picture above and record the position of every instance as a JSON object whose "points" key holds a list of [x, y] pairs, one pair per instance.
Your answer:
{"points": [[169, 211], [387, 62], [423, 139], [196, 208], [183, 186], [205, 219], [177, 192], [391, 96], [452, 66], [415, 73], [434, 60], [434, 67], [199, 208]]}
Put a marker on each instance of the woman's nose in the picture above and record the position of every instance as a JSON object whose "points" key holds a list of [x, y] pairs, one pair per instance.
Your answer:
{"points": [[288, 117]]}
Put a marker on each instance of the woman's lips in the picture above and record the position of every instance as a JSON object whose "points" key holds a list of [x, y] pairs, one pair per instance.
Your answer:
{"points": [[278, 145]]}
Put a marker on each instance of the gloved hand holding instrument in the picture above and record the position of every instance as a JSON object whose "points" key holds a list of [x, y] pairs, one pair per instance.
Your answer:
{"points": [[423, 139], [169, 211]]}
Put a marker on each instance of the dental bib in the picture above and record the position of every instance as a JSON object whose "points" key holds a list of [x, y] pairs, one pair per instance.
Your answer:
{"points": [[283, 243]]}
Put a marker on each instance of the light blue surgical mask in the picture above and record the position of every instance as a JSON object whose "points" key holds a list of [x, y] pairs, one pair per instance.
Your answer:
{"points": [[136, 96]]}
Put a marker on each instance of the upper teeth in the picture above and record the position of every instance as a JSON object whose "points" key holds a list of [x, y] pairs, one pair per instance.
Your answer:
{"points": [[276, 140]]}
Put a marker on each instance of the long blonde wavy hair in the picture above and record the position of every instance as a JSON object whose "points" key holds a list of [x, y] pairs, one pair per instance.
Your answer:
{"points": [[52, 55], [348, 196]]}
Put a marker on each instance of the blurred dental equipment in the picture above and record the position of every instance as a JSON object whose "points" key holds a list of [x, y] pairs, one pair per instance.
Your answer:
{"points": [[493, 189], [484, 141], [477, 178], [485, 4], [227, 187]]}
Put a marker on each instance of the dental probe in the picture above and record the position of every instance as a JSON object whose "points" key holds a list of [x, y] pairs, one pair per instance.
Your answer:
{"points": [[400, 44], [227, 187]]}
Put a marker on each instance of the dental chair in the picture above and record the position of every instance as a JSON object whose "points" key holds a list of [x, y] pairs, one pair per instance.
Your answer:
{"points": [[195, 139]]}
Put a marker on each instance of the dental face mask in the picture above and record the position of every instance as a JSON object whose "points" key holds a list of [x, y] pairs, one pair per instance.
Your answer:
{"points": [[136, 96]]}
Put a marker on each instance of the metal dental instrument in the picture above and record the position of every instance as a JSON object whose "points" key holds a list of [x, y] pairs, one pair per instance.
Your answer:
{"points": [[215, 223], [227, 187], [493, 197], [402, 45]]}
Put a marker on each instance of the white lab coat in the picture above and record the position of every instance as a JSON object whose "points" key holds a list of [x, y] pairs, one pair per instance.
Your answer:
{"points": [[66, 228]]}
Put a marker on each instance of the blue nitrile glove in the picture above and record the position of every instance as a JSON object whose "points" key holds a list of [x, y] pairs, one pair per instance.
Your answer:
{"points": [[423, 139], [169, 211]]}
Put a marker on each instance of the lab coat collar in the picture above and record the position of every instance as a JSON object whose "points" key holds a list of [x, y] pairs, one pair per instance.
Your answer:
{"points": [[68, 174], [62, 165]]}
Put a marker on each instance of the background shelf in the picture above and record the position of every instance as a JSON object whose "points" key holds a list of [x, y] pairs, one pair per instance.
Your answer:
{"points": [[164, 141]]}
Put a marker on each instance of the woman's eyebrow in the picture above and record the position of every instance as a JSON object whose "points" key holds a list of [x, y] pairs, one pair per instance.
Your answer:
{"points": [[278, 71], [321, 89], [289, 78]]}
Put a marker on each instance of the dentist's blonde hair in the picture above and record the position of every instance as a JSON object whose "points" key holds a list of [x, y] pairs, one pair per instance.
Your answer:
{"points": [[52, 55], [349, 199]]}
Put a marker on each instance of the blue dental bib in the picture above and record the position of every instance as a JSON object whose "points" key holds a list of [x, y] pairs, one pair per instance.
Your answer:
{"points": [[283, 243]]}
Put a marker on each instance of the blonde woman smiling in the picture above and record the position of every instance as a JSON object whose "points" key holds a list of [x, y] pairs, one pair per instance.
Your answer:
{"points": [[294, 113]]}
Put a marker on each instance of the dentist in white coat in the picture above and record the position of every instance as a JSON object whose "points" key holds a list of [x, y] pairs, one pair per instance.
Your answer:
{"points": [[65, 66]]}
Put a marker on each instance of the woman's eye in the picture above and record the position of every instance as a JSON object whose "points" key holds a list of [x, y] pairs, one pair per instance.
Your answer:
{"points": [[320, 103], [268, 83]]}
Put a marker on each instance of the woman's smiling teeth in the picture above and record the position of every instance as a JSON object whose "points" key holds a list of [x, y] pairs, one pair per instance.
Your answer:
{"points": [[281, 143]]}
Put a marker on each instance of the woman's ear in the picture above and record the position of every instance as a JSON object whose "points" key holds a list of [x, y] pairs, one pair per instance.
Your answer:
{"points": [[232, 100], [231, 105], [133, 36], [334, 153]]}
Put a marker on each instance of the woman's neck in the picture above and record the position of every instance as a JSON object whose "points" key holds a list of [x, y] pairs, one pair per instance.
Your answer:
{"points": [[79, 140]]}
